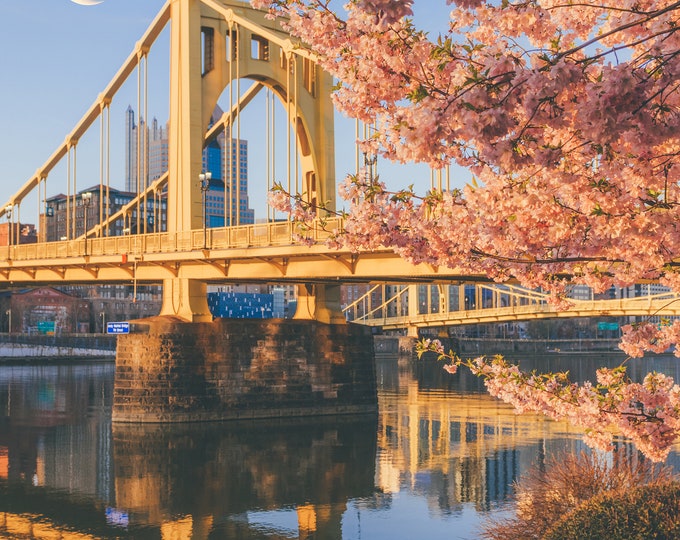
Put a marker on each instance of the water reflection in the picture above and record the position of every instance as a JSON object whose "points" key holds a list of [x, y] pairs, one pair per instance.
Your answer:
{"points": [[219, 474], [440, 457]]}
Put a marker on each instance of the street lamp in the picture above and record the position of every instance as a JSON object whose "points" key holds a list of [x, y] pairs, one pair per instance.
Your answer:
{"points": [[204, 178], [87, 198]]}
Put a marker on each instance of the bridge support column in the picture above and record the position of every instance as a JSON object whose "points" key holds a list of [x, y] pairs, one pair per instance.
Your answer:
{"points": [[319, 303], [173, 371], [186, 299], [411, 329]]}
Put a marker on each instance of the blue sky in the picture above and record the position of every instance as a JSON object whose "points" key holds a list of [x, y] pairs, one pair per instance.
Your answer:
{"points": [[57, 56]]}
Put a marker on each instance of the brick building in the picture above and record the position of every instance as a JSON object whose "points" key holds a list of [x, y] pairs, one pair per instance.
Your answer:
{"points": [[45, 310], [17, 233]]}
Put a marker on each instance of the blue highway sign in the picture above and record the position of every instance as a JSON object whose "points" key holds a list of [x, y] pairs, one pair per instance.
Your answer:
{"points": [[118, 328]]}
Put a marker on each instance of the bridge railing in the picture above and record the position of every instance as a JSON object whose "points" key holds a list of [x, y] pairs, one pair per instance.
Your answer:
{"points": [[663, 304], [278, 233]]}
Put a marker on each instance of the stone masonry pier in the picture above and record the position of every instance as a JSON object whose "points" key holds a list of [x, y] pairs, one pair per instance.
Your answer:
{"points": [[168, 370]]}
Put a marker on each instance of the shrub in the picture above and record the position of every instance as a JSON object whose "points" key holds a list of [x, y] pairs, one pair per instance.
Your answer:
{"points": [[644, 513], [543, 495]]}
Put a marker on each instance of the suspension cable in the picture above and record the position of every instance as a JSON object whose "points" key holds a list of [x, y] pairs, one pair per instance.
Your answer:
{"points": [[288, 141], [267, 127], [228, 166], [298, 181], [69, 159], [146, 141], [236, 180], [108, 166]]}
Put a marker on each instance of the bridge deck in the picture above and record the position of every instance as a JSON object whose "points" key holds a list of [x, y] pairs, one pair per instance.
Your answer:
{"points": [[253, 253]]}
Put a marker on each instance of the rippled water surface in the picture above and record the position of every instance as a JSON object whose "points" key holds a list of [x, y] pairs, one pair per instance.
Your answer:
{"points": [[436, 461]]}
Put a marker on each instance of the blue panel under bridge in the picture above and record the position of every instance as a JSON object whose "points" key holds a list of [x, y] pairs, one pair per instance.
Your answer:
{"points": [[241, 305]]}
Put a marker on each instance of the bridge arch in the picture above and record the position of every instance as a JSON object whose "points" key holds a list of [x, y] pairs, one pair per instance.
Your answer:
{"points": [[241, 43]]}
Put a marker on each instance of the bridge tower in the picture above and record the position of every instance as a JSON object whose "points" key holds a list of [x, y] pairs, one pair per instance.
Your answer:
{"points": [[212, 44], [182, 366]]}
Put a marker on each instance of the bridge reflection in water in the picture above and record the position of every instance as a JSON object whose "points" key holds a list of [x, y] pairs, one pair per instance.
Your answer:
{"points": [[438, 459]]}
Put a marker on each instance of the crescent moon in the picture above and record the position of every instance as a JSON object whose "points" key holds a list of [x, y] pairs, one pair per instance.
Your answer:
{"points": [[87, 2]]}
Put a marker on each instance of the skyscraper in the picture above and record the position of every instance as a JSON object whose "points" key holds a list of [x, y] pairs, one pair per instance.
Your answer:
{"points": [[136, 153], [154, 155], [158, 150], [130, 151]]}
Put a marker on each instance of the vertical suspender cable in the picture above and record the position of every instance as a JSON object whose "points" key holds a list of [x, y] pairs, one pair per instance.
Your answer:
{"points": [[67, 232], [273, 136], [108, 166], [42, 209], [145, 183], [233, 52], [357, 164], [288, 144], [374, 165], [364, 130], [139, 135], [226, 130], [157, 210], [267, 128], [104, 154], [75, 189], [45, 212], [298, 180], [17, 227], [236, 180], [102, 108]]}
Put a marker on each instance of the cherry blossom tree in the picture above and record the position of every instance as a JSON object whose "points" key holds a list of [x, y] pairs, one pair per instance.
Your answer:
{"points": [[566, 112]]}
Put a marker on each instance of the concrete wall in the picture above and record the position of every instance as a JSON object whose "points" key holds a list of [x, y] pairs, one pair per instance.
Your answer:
{"points": [[171, 371], [49, 352]]}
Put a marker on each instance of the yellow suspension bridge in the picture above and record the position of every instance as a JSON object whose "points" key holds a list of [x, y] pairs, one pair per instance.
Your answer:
{"points": [[215, 46]]}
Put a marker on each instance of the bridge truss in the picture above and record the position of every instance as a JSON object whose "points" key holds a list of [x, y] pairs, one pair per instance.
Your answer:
{"points": [[413, 306]]}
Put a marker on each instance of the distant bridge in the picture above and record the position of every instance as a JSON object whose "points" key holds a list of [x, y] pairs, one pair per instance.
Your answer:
{"points": [[406, 307]]}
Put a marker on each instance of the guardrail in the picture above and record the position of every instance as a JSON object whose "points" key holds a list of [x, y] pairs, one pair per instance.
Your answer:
{"points": [[278, 233]]}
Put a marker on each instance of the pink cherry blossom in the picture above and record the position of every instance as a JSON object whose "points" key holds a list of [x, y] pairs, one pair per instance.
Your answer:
{"points": [[568, 117]]}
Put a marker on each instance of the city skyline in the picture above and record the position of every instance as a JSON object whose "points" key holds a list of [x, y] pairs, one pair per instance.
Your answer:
{"points": [[155, 163]]}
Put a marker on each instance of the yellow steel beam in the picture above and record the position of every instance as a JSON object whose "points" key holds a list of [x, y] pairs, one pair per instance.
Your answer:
{"points": [[640, 306]]}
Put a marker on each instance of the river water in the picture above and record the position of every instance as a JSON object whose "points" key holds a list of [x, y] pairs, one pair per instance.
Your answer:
{"points": [[437, 460]]}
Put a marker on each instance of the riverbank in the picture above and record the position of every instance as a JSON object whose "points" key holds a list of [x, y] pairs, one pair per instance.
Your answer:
{"points": [[36, 347], [467, 347], [25, 347], [32, 353]]}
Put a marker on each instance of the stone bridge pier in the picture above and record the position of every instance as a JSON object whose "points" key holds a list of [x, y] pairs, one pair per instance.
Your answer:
{"points": [[169, 370]]}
